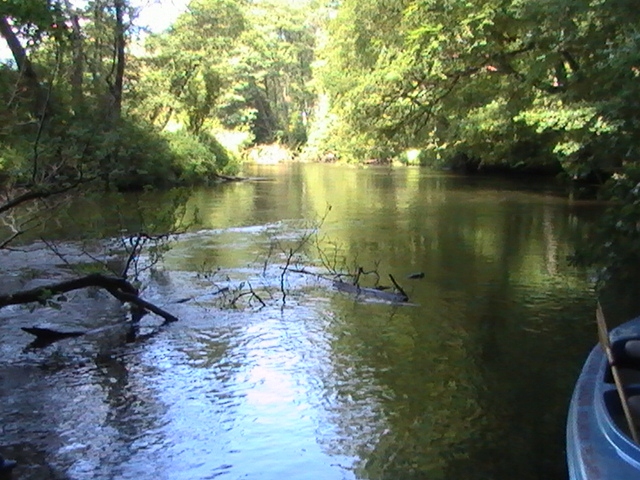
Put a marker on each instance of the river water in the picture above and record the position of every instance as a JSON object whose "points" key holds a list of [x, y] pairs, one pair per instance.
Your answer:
{"points": [[469, 380]]}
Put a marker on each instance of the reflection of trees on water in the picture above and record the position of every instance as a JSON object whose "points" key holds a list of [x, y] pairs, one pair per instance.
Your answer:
{"points": [[482, 373], [352, 397], [440, 391], [527, 382], [399, 395], [107, 215], [452, 401], [133, 409], [29, 414], [67, 414], [95, 407]]}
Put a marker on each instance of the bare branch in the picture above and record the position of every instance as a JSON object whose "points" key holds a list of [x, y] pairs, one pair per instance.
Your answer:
{"points": [[38, 193], [10, 239], [117, 287], [136, 300], [398, 287]]}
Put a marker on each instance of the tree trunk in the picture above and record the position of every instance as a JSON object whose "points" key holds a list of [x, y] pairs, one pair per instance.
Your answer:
{"points": [[77, 43], [120, 44], [24, 65]]}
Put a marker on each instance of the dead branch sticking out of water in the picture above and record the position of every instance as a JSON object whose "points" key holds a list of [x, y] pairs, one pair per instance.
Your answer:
{"points": [[295, 251], [378, 291], [295, 254], [399, 288], [362, 271], [357, 290], [250, 293], [119, 288], [335, 265]]}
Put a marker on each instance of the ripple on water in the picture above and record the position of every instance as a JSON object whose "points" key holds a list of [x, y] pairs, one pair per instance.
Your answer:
{"points": [[254, 394], [235, 402]]}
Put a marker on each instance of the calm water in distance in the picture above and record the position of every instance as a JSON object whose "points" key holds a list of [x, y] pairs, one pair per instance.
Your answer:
{"points": [[472, 381]]}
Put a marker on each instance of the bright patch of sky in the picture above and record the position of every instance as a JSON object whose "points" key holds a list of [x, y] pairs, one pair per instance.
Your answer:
{"points": [[158, 15]]}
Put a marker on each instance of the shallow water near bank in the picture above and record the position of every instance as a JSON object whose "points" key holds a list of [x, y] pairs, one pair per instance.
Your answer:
{"points": [[471, 381]]}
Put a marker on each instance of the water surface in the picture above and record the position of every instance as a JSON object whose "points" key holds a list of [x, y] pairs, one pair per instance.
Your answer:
{"points": [[470, 381]]}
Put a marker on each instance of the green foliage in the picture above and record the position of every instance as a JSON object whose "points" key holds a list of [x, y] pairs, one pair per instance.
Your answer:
{"points": [[192, 159], [198, 158], [130, 156], [181, 77], [34, 18], [186, 68], [233, 63], [12, 161], [509, 83], [225, 161], [237, 64], [134, 156], [85, 134], [613, 247]]}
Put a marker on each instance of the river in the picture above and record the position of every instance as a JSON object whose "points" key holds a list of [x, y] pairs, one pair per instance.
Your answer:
{"points": [[469, 380]]}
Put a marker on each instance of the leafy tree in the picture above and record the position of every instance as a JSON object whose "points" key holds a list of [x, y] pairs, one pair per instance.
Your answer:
{"points": [[240, 64], [274, 72], [502, 81], [183, 74], [71, 104]]}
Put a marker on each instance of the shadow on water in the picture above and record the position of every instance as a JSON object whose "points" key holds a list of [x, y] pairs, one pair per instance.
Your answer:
{"points": [[472, 382]]}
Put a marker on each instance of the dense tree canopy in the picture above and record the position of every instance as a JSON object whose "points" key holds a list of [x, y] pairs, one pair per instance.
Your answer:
{"points": [[85, 76], [241, 65], [502, 82], [548, 85]]}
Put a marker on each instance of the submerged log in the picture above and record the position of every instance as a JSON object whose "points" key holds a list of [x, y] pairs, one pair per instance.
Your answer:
{"points": [[229, 178], [48, 334], [392, 297], [415, 276]]}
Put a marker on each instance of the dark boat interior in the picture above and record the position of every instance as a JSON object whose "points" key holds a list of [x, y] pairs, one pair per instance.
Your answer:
{"points": [[626, 353]]}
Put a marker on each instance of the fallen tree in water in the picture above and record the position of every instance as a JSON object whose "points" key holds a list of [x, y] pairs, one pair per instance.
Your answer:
{"points": [[119, 283], [382, 293], [118, 287], [324, 259], [378, 293]]}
